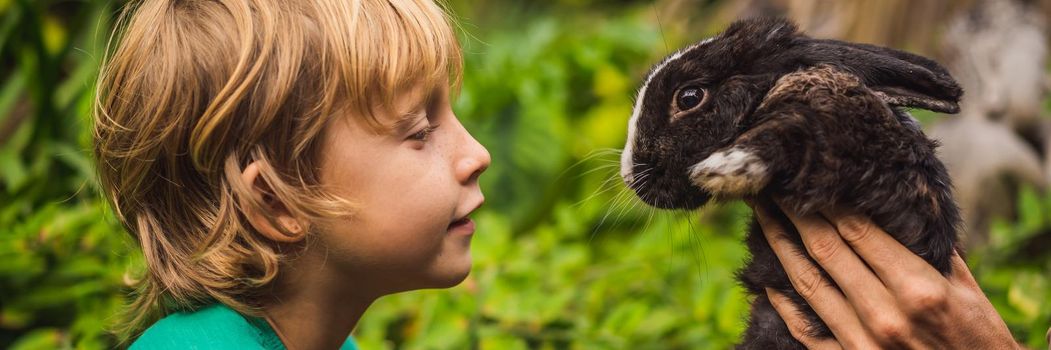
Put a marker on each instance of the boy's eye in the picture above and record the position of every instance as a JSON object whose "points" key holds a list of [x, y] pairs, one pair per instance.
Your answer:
{"points": [[424, 134]]}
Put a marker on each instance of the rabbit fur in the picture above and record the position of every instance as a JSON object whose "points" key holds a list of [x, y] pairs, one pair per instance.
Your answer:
{"points": [[763, 110]]}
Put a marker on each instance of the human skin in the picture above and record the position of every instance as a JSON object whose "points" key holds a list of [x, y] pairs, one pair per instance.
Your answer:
{"points": [[412, 184], [888, 297]]}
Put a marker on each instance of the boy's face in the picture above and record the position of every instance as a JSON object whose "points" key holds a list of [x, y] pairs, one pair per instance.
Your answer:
{"points": [[415, 186]]}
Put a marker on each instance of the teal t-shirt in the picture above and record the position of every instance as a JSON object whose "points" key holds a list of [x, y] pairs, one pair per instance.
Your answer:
{"points": [[214, 327]]}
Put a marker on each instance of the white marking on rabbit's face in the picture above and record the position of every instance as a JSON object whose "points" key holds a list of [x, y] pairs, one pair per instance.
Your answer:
{"points": [[626, 165], [734, 172]]}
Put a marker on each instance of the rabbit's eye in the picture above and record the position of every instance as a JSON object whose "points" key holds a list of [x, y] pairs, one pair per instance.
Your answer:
{"points": [[689, 97]]}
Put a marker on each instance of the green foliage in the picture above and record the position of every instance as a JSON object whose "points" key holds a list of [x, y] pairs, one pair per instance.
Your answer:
{"points": [[1013, 268], [564, 257], [62, 255]]}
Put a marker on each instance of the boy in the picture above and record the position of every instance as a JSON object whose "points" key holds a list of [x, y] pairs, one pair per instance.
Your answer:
{"points": [[282, 164]]}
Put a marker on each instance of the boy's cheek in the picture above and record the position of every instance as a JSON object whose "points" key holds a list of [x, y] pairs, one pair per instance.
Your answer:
{"points": [[391, 245]]}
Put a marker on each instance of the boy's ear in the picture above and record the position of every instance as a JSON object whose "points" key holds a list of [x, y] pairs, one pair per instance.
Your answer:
{"points": [[266, 218]]}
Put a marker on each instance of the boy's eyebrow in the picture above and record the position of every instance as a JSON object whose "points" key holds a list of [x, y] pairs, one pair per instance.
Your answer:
{"points": [[406, 121]]}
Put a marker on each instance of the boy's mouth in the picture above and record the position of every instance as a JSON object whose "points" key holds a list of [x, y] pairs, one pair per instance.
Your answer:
{"points": [[465, 222], [459, 223], [463, 226]]}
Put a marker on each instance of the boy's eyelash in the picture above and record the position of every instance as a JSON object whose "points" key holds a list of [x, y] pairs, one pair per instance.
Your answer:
{"points": [[424, 134]]}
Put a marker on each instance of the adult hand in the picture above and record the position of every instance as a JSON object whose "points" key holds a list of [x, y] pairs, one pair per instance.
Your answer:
{"points": [[890, 298]]}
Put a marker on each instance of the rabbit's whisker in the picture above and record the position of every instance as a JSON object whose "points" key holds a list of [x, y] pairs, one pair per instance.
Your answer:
{"points": [[696, 244], [620, 197], [620, 204], [598, 168], [596, 154], [660, 25], [627, 209], [603, 188]]}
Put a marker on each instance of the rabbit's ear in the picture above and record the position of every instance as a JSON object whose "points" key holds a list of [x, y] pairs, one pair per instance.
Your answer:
{"points": [[900, 78]]}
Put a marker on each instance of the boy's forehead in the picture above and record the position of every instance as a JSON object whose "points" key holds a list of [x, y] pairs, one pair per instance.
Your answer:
{"points": [[413, 98]]}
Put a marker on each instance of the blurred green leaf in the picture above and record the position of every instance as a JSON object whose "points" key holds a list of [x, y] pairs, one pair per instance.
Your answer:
{"points": [[44, 338]]}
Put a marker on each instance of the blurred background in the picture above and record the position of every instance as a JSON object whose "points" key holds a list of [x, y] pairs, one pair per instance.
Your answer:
{"points": [[565, 257]]}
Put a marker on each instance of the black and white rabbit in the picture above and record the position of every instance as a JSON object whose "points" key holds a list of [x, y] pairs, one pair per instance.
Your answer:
{"points": [[764, 110]]}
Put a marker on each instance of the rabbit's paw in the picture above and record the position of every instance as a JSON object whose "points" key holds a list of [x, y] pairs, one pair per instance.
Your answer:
{"points": [[733, 172]]}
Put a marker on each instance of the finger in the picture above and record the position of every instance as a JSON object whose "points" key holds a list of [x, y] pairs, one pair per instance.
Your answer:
{"points": [[875, 305], [876, 308], [797, 324], [1049, 337], [920, 292], [897, 266], [827, 301]]}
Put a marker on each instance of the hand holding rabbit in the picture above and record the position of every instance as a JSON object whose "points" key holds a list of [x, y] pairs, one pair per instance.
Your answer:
{"points": [[888, 296]]}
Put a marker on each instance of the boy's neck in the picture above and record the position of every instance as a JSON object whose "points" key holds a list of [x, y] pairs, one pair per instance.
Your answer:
{"points": [[312, 308]]}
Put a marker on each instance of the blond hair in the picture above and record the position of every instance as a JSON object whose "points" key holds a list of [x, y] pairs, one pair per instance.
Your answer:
{"points": [[193, 91]]}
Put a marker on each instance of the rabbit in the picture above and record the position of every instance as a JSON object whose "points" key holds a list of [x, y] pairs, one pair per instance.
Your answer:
{"points": [[762, 110]]}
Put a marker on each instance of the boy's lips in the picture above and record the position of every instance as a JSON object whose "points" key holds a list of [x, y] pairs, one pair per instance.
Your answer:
{"points": [[465, 222]]}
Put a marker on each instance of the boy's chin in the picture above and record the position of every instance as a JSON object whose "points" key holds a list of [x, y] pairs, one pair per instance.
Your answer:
{"points": [[446, 274], [452, 274]]}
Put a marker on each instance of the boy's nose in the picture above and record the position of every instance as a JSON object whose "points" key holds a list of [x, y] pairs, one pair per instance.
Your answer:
{"points": [[474, 161]]}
